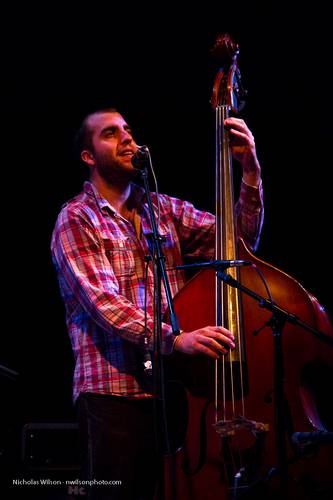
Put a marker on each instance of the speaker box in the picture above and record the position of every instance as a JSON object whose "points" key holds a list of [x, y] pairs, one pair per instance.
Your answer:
{"points": [[50, 446]]}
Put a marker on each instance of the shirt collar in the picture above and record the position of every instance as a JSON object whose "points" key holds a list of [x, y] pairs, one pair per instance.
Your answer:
{"points": [[139, 195], [137, 192]]}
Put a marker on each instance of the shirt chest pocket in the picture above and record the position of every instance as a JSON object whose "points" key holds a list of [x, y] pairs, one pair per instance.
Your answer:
{"points": [[120, 255]]}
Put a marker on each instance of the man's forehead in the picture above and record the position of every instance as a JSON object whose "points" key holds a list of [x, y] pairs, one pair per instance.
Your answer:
{"points": [[97, 121]]}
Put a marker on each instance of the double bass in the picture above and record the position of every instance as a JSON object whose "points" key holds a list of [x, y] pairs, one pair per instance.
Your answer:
{"points": [[232, 435]]}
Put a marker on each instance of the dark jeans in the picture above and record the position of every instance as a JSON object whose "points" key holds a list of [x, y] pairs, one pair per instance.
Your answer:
{"points": [[119, 445]]}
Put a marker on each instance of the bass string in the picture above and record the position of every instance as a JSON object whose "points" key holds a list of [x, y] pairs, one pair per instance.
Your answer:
{"points": [[227, 305]]}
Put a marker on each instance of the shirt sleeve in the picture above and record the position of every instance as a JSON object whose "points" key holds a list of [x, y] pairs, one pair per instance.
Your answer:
{"points": [[81, 261], [249, 211], [196, 228]]}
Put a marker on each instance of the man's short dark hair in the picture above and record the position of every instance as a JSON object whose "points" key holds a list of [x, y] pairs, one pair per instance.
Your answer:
{"points": [[83, 137]]}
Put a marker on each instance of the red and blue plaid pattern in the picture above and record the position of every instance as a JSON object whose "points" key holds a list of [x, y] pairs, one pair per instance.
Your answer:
{"points": [[101, 269]]}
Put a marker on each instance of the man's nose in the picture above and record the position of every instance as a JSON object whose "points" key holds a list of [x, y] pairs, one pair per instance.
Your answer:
{"points": [[126, 137]]}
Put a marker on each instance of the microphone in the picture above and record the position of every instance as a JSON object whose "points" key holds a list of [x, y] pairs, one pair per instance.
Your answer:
{"points": [[140, 157], [217, 264]]}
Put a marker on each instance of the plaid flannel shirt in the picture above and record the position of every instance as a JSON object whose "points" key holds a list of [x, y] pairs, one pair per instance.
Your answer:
{"points": [[101, 270]]}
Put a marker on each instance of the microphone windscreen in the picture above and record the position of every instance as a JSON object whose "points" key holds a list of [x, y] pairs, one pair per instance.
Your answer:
{"points": [[140, 157]]}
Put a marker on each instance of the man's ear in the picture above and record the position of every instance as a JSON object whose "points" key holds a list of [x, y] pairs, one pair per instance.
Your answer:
{"points": [[88, 157]]}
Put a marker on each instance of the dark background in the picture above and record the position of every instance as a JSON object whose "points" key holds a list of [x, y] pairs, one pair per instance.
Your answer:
{"points": [[153, 64]]}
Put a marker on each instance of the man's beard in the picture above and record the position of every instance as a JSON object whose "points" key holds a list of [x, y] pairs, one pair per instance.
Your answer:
{"points": [[113, 171]]}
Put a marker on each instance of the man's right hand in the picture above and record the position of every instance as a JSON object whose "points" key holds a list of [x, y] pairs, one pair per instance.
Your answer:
{"points": [[211, 340]]}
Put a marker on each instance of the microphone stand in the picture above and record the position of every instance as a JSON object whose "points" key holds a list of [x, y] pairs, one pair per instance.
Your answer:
{"points": [[8, 373], [161, 276], [277, 321]]}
